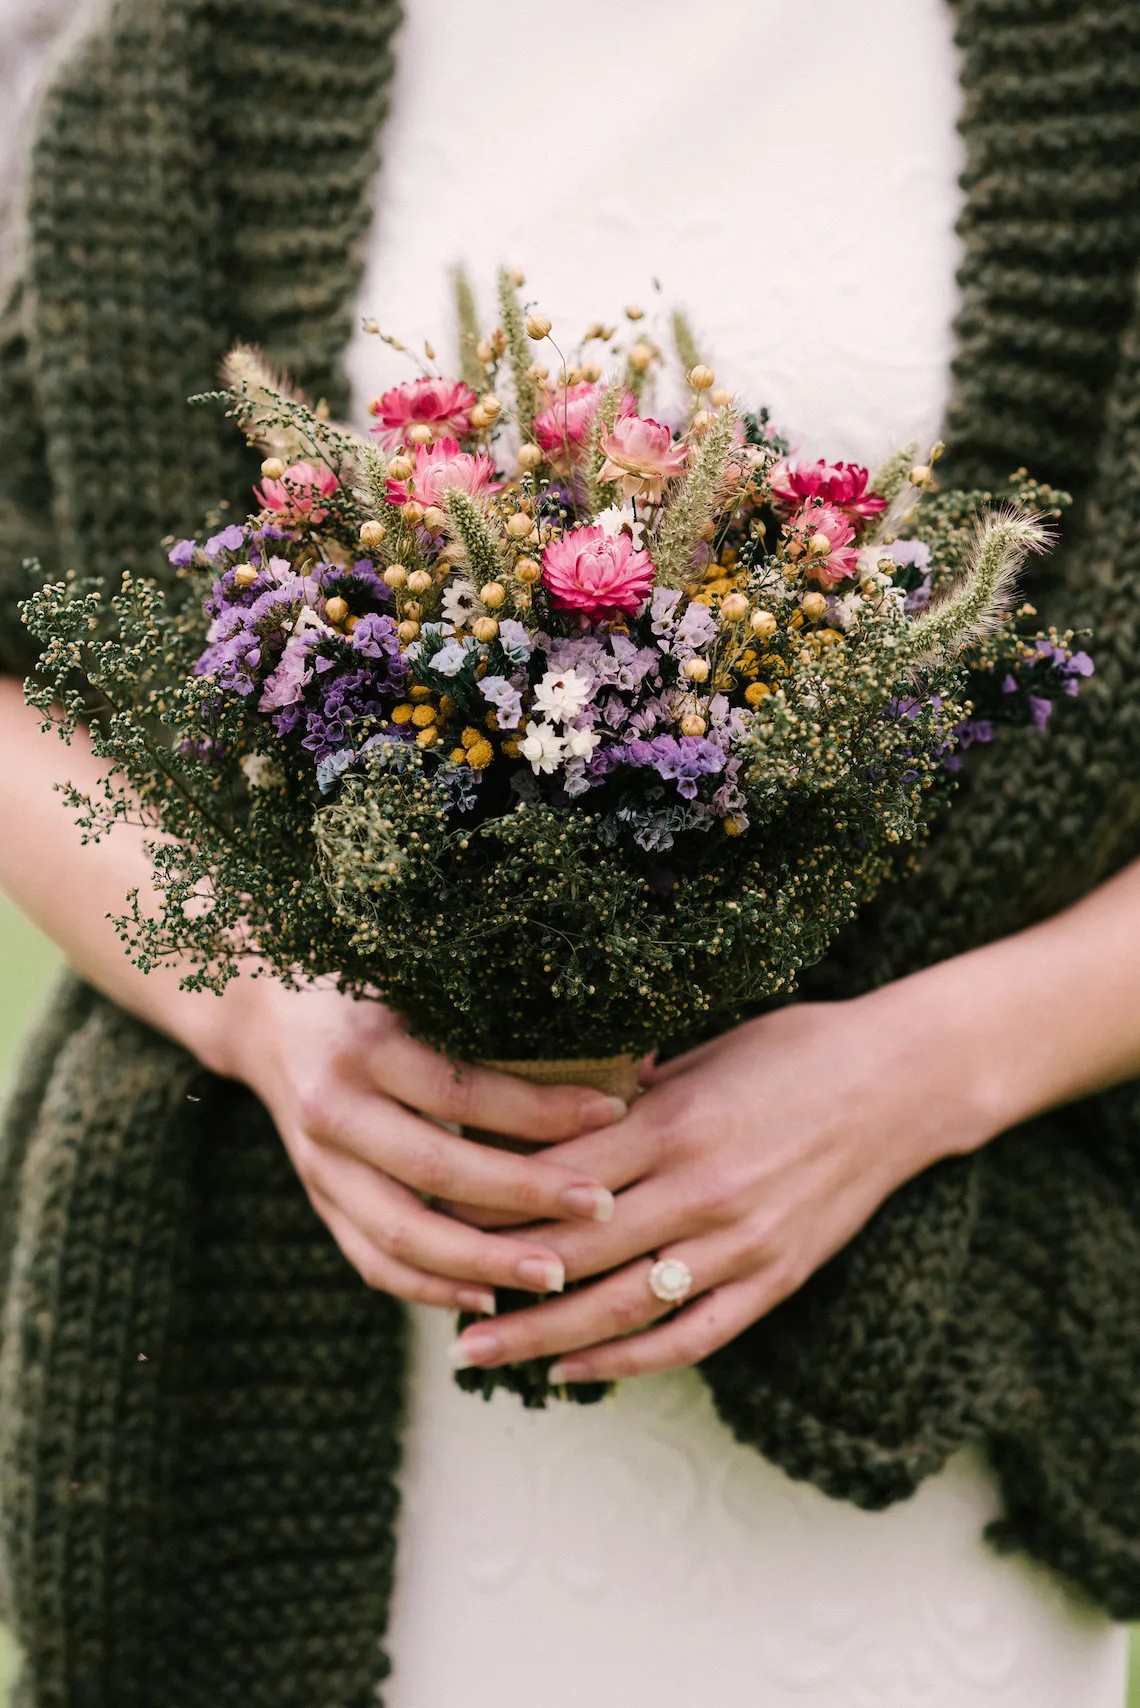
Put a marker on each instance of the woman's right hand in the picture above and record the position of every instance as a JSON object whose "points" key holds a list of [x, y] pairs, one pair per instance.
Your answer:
{"points": [[350, 1090]]}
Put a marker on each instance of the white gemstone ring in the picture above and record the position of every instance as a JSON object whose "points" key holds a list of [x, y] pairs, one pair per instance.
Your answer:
{"points": [[670, 1280]]}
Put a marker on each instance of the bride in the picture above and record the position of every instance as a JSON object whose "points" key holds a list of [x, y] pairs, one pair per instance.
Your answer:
{"points": [[790, 173]]}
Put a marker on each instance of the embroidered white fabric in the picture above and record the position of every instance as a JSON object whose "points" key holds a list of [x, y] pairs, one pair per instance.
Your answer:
{"points": [[787, 171]]}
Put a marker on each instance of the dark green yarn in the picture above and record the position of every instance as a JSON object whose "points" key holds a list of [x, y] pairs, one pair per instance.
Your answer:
{"points": [[202, 172]]}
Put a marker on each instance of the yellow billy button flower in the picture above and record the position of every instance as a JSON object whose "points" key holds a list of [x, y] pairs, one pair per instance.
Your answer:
{"points": [[470, 736], [458, 756], [480, 755], [423, 716], [446, 707], [418, 692], [756, 692], [402, 714], [427, 737], [373, 534], [336, 609]]}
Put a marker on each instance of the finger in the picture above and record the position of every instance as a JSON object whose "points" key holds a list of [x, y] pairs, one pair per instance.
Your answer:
{"points": [[649, 1216], [616, 1305], [697, 1331], [440, 1165], [396, 1222], [622, 1154], [386, 1275], [473, 1096]]}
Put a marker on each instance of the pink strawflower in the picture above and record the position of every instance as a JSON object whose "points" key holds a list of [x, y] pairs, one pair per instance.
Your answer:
{"points": [[443, 405], [295, 495], [641, 454], [442, 468], [816, 523], [597, 574], [563, 427], [842, 484]]}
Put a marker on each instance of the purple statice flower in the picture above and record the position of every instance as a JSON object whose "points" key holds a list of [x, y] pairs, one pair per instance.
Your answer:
{"points": [[359, 578], [515, 640], [682, 761], [663, 604], [909, 553], [234, 655], [1040, 710], [230, 539], [375, 637], [181, 554], [972, 730], [348, 705], [1009, 684], [1078, 666], [286, 683], [500, 692], [696, 631], [328, 770]]}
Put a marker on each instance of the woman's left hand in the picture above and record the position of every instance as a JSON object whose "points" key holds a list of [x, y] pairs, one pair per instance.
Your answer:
{"points": [[753, 1158]]}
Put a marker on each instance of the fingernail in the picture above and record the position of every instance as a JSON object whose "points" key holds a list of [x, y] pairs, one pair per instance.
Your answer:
{"points": [[560, 1375], [602, 1111], [545, 1273], [474, 1299], [475, 1347], [593, 1202]]}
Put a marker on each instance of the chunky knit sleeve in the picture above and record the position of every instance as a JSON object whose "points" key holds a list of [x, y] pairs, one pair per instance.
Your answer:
{"points": [[26, 530]]}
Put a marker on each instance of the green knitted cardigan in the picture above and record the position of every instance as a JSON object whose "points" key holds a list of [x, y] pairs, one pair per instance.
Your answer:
{"points": [[200, 1403]]}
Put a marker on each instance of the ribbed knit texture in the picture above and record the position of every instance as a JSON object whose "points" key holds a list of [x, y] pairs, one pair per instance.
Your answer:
{"points": [[199, 1402]]}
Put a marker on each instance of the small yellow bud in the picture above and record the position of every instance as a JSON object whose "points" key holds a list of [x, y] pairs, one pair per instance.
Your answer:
{"points": [[413, 512], [435, 519], [480, 755], [491, 405], [538, 326], [400, 466], [407, 631], [423, 716], [246, 575], [763, 623], [427, 737], [721, 397], [336, 609], [484, 352], [530, 457], [591, 372], [395, 575], [429, 349], [485, 629], [734, 607], [419, 433], [350, 624], [479, 418], [458, 755], [498, 340], [373, 534], [526, 570], [755, 692], [701, 423], [401, 714], [419, 693], [640, 356], [446, 707], [517, 277], [419, 581], [819, 545], [693, 724], [701, 377], [634, 313], [813, 605], [538, 372], [371, 326], [519, 525], [492, 593], [272, 468], [919, 474], [696, 669]]}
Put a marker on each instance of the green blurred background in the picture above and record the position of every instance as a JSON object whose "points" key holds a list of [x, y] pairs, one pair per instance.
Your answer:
{"points": [[26, 967]]}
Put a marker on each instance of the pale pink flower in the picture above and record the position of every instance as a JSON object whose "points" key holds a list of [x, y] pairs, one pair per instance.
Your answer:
{"points": [[563, 427], [443, 405], [641, 454], [442, 468], [599, 576], [295, 495], [842, 484], [817, 522]]}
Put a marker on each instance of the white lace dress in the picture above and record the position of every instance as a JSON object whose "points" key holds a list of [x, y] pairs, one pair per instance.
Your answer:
{"points": [[786, 169]]}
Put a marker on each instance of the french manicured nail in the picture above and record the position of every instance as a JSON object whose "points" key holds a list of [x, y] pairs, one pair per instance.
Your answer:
{"points": [[602, 1111], [593, 1202], [545, 1273], [477, 1346], [560, 1374], [475, 1299]]}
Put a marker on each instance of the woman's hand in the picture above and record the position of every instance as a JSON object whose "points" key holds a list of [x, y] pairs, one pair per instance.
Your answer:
{"points": [[753, 1159], [349, 1089]]}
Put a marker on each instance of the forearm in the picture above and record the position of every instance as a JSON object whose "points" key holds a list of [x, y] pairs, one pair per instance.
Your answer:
{"points": [[69, 890], [1034, 1020]]}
